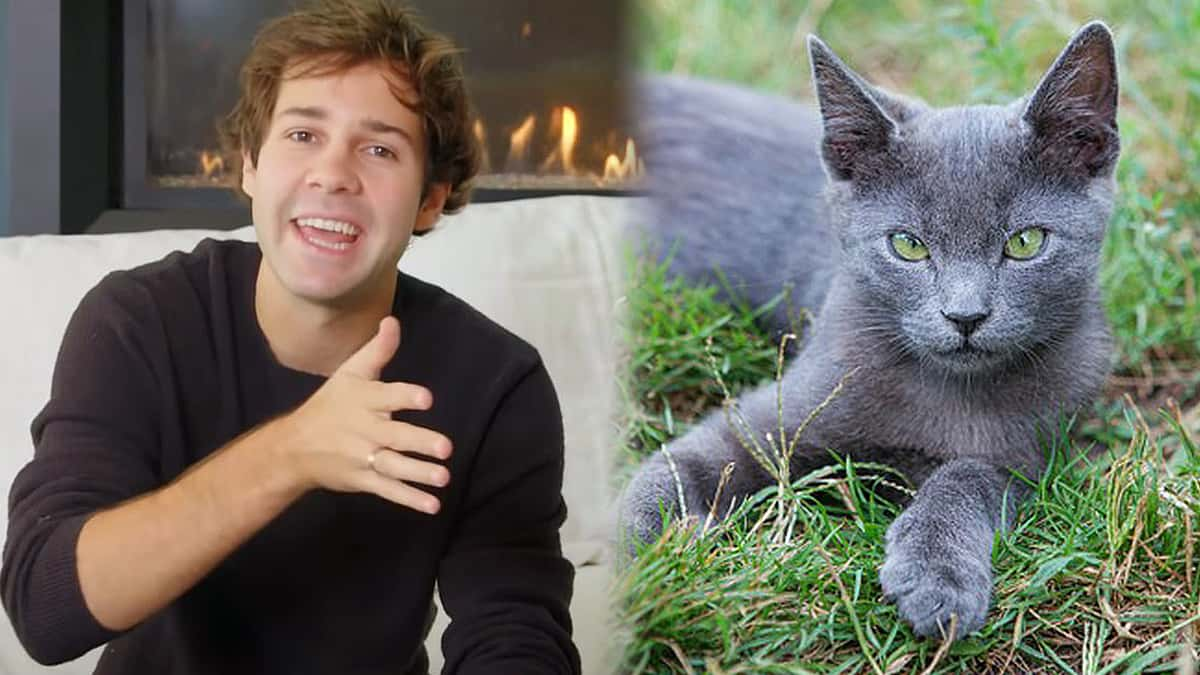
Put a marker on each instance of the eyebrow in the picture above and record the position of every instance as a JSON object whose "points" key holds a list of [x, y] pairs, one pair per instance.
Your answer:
{"points": [[368, 123]]}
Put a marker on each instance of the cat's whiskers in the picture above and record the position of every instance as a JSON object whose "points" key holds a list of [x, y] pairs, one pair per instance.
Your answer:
{"points": [[894, 343], [1035, 360]]}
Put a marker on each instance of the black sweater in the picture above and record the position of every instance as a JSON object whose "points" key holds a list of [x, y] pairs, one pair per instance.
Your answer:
{"points": [[163, 364]]}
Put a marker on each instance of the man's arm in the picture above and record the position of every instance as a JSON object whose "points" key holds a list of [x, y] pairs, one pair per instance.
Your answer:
{"points": [[138, 557], [503, 579], [78, 570]]}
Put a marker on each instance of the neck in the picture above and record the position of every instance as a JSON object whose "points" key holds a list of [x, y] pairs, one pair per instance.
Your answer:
{"points": [[312, 337]]}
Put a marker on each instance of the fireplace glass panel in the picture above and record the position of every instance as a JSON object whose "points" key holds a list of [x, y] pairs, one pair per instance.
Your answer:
{"points": [[545, 77]]}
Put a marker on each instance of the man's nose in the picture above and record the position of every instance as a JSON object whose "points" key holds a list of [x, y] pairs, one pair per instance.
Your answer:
{"points": [[332, 171]]}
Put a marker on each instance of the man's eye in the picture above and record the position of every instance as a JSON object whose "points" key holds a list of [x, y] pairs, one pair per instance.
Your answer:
{"points": [[380, 151], [301, 136]]}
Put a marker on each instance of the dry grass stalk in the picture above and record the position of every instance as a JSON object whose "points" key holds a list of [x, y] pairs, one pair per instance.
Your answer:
{"points": [[687, 667], [947, 640], [849, 605]]}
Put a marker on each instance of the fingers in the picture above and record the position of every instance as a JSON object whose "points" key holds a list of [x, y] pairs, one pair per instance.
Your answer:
{"points": [[391, 469], [410, 438], [391, 464], [370, 358], [389, 396], [398, 492]]}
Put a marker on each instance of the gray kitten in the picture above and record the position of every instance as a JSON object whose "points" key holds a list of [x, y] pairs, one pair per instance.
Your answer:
{"points": [[953, 255]]}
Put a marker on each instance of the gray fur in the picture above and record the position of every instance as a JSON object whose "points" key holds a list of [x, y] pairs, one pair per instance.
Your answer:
{"points": [[727, 163], [737, 184]]}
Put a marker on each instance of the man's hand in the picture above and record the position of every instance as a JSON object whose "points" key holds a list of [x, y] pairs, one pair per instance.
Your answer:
{"points": [[343, 438], [139, 556]]}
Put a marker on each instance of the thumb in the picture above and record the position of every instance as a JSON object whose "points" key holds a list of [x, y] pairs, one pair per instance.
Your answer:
{"points": [[370, 358]]}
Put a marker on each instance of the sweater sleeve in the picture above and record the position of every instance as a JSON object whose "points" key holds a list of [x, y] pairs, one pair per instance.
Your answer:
{"points": [[503, 579], [93, 447]]}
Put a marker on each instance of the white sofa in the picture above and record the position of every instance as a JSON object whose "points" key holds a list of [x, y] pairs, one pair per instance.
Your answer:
{"points": [[547, 269]]}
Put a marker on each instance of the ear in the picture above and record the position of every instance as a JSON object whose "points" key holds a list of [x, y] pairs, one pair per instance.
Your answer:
{"points": [[1073, 112], [857, 130], [431, 207], [899, 108], [249, 175]]}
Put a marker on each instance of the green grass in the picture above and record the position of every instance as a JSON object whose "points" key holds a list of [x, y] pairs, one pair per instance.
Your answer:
{"points": [[1098, 576], [1100, 572], [1150, 277], [675, 328]]}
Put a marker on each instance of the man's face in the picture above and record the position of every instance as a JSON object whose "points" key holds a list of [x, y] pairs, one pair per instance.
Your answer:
{"points": [[336, 193]]}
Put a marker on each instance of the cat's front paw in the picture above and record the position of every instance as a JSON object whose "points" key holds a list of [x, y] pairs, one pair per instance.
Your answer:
{"points": [[648, 504], [930, 572]]}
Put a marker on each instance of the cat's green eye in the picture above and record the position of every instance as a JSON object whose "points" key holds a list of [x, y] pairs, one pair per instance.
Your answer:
{"points": [[909, 247], [1025, 244]]}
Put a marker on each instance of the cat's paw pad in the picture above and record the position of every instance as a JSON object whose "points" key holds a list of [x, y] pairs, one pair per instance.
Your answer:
{"points": [[927, 597], [928, 585]]}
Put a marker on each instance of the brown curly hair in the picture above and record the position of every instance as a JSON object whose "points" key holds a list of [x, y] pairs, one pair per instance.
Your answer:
{"points": [[329, 36]]}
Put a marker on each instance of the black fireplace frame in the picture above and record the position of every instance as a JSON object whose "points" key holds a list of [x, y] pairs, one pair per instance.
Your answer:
{"points": [[136, 190], [67, 67]]}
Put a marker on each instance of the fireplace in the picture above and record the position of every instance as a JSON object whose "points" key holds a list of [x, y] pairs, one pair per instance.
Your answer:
{"points": [[545, 77]]}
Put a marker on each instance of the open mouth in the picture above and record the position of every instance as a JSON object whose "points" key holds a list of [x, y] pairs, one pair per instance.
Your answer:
{"points": [[333, 236]]}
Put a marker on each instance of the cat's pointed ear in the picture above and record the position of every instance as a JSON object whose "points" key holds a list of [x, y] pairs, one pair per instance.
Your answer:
{"points": [[857, 130], [1073, 111], [900, 108]]}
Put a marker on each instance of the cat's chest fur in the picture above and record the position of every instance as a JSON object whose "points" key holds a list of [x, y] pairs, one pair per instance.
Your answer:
{"points": [[902, 410]]}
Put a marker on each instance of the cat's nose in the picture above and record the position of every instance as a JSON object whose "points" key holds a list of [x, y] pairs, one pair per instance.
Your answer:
{"points": [[966, 323]]}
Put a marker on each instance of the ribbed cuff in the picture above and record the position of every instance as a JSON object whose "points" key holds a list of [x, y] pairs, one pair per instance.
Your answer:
{"points": [[59, 626]]}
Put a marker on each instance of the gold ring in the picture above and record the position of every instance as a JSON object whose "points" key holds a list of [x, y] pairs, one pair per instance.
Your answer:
{"points": [[371, 459]]}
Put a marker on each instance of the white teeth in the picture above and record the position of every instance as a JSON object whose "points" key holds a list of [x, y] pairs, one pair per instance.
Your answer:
{"points": [[339, 246], [329, 225]]}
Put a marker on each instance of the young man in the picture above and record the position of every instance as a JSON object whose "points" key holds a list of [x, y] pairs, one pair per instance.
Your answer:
{"points": [[259, 458]]}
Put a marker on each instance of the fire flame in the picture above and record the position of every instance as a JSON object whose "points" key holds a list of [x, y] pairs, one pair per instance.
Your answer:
{"points": [[616, 169], [485, 163], [565, 123], [211, 162], [562, 129], [566, 146], [519, 140], [559, 139]]}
